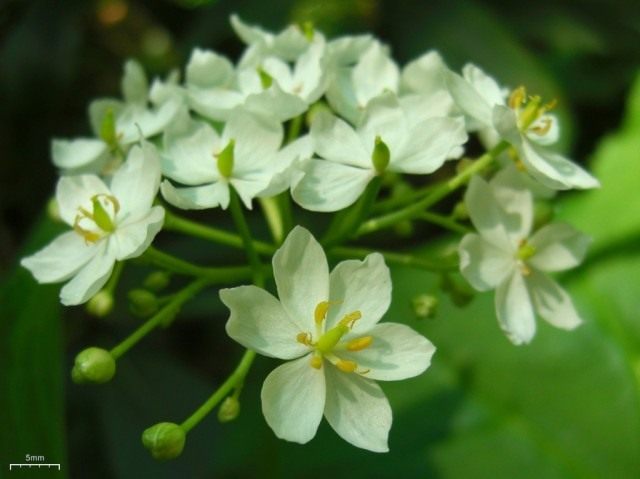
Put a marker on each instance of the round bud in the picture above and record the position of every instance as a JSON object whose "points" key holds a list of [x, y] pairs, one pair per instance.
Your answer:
{"points": [[229, 409], [165, 440], [101, 304], [93, 365], [142, 303], [53, 210], [157, 281], [381, 155], [424, 306]]}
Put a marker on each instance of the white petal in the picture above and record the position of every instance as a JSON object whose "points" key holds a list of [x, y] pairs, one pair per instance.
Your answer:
{"points": [[329, 186], [553, 170], [302, 275], [309, 73], [428, 145], [216, 103], [197, 197], [188, 155], [73, 192], [483, 265], [287, 165], [256, 139], [486, 86], [250, 186], [293, 398], [259, 322], [383, 117], [552, 302], [363, 286], [468, 99], [506, 124], [424, 74], [334, 140], [207, 69], [374, 73], [357, 410], [78, 153], [136, 122], [275, 103], [348, 49], [90, 278], [60, 259], [135, 87], [397, 352], [514, 309], [516, 201], [487, 215], [132, 239], [136, 183], [558, 246]]}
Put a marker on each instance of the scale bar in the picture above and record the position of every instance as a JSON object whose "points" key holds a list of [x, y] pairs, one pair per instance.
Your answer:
{"points": [[38, 465]]}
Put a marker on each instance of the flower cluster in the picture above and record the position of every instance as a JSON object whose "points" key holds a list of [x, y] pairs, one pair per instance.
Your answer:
{"points": [[322, 122]]}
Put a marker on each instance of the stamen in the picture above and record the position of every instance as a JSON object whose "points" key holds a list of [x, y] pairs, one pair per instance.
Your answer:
{"points": [[542, 129], [517, 97], [346, 366], [320, 312], [304, 338], [349, 319], [359, 344], [316, 362]]}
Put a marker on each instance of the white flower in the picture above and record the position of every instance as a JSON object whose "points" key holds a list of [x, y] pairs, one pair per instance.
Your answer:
{"points": [[110, 224], [327, 324], [347, 163], [246, 155], [507, 257], [522, 121], [352, 87], [117, 125]]}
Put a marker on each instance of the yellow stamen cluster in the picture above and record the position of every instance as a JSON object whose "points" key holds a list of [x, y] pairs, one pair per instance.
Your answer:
{"points": [[330, 341], [529, 109], [99, 216]]}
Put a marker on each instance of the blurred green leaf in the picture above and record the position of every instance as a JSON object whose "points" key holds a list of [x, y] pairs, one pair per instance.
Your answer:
{"points": [[31, 402], [611, 214]]}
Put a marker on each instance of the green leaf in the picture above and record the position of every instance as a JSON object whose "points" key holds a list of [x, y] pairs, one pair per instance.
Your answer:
{"points": [[31, 381], [611, 213]]}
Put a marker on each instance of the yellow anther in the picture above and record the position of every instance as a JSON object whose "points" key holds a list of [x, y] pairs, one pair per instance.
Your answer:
{"points": [[316, 362], [542, 129], [89, 236], [517, 97], [349, 319], [549, 106], [346, 366], [321, 311], [359, 344], [304, 338], [524, 269]]}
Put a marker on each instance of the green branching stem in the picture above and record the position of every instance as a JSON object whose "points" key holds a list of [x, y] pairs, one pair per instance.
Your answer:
{"points": [[439, 265], [444, 222], [235, 379], [434, 196], [167, 313], [243, 228], [179, 266], [179, 224]]}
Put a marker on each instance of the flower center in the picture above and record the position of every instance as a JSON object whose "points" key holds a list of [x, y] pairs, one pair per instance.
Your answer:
{"points": [[525, 252], [531, 112], [93, 225], [225, 159], [330, 343]]}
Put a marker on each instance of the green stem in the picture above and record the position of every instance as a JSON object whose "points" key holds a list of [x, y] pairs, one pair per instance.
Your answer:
{"points": [[294, 129], [243, 228], [179, 266], [236, 377], [392, 203], [438, 193], [173, 222], [115, 277], [444, 221], [273, 215], [165, 314], [433, 265]]}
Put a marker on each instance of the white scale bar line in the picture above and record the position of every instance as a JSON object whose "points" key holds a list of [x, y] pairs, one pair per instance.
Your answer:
{"points": [[34, 465]]}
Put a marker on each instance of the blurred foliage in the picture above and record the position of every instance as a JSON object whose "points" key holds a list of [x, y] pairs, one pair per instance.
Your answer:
{"points": [[566, 406]]}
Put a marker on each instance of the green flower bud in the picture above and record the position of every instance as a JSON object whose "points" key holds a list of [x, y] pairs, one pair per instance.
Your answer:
{"points": [[101, 304], [265, 79], [93, 365], [229, 409], [460, 211], [165, 440], [225, 159], [108, 129], [424, 306], [142, 303], [313, 110], [380, 156], [157, 281], [53, 210]]}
